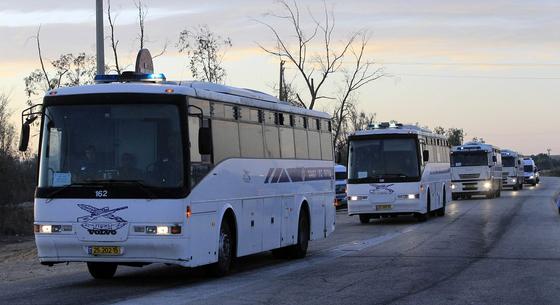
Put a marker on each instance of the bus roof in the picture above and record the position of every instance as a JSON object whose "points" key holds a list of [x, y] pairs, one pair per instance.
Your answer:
{"points": [[203, 90], [398, 129], [475, 146], [509, 152]]}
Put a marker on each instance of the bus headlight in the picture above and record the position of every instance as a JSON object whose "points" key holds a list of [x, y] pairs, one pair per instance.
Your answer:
{"points": [[159, 230], [356, 198], [45, 229], [409, 196], [453, 186], [513, 180], [162, 230], [487, 185], [532, 177], [49, 229]]}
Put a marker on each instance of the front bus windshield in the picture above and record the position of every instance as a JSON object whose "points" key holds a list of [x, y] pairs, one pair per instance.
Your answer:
{"points": [[135, 146], [383, 160], [469, 158]]}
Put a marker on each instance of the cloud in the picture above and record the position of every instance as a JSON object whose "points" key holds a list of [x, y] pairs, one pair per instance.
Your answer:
{"points": [[16, 18]]}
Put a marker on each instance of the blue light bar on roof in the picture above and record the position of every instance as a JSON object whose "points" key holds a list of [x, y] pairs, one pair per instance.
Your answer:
{"points": [[130, 77]]}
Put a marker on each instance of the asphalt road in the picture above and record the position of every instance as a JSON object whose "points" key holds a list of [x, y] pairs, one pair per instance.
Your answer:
{"points": [[499, 251]]}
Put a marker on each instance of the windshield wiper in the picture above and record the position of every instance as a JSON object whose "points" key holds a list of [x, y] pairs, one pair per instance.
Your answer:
{"points": [[137, 183]]}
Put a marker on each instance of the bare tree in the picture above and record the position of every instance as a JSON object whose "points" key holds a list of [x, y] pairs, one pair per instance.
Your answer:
{"points": [[114, 41], [328, 59], [69, 70], [7, 130], [352, 121], [439, 130], [361, 73], [142, 13], [206, 51]]}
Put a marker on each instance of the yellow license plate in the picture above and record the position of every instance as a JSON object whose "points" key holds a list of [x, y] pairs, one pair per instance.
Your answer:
{"points": [[102, 250], [383, 207]]}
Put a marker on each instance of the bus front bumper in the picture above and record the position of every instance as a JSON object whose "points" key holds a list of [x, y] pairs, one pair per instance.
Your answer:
{"points": [[135, 250], [356, 207]]}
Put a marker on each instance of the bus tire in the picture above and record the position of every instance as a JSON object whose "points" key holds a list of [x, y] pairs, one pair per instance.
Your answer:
{"points": [[364, 218], [225, 250], [441, 211], [102, 271], [299, 250], [423, 217], [454, 197]]}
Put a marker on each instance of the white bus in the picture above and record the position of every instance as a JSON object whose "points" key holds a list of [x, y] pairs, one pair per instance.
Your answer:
{"points": [[512, 169], [396, 169], [139, 170], [476, 169]]}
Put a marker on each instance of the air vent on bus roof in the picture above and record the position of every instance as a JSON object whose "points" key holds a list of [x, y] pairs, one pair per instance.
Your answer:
{"points": [[384, 125], [240, 92]]}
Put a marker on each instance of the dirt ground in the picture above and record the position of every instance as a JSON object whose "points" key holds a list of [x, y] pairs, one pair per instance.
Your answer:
{"points": [[18, 260]]}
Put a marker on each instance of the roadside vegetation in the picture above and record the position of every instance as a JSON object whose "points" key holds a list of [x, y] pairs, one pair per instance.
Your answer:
{"points": [[548, 165]]}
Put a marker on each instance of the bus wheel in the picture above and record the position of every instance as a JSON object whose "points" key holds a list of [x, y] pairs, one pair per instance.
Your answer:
{"points": [[364, 218], [299, 250], [225, 251], [102, 271], [454, 197], [441, 211]]}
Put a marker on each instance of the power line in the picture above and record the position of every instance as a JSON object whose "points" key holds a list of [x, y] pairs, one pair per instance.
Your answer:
{"points": [[478, 76], [471, 64]]}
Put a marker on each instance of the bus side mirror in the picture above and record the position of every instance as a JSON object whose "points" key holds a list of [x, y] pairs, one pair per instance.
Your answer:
{"points": [[338, 157], [24, 137], [494, 159], [426, 155], [204, 141]]}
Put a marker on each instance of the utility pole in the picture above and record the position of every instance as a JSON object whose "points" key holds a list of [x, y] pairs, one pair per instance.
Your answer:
{"points": [[100, 39], [282, 93]]}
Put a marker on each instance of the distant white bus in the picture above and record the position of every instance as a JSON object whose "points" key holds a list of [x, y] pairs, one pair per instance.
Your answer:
{"points": [[139, 170], [396, 169], [476, 169], [512, 169]]}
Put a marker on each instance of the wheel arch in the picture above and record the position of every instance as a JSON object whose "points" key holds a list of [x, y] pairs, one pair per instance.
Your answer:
{"points": [[229, 215]]}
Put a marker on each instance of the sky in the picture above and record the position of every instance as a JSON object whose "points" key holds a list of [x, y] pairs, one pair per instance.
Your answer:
{"points": [[489, 67]]}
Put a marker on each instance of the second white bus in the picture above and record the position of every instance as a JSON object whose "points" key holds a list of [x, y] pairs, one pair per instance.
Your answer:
{"points": [[397, 170]]}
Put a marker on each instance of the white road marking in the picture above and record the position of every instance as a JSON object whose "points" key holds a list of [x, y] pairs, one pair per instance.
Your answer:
{"points": [[205, 290]]}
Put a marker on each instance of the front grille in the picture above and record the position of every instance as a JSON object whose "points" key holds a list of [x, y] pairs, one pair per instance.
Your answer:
{"points": [[469, 176], [470, 186]]}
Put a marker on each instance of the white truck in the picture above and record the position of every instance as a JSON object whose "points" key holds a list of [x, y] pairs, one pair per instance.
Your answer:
{"points": [[476, 169], [512, 172]]}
